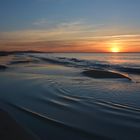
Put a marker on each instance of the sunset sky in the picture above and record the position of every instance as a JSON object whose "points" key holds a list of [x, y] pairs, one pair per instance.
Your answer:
{"points": [[70, 25]]}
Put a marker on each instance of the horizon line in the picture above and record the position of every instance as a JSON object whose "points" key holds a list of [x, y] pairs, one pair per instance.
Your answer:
{"points": [[34, 51]]}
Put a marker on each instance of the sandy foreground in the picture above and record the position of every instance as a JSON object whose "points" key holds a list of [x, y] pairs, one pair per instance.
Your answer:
{"points": [[11, 130]]}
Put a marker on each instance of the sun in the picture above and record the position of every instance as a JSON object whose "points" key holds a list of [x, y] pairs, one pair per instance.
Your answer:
{"points": [[115, 47]]}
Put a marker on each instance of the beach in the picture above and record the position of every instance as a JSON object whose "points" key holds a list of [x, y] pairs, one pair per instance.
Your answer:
{"points": [[60, 96], [10, 129]]}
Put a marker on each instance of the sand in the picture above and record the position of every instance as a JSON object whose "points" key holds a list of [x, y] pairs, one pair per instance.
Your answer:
{"points": [[11, 130], [3, 67], [104, 74]]}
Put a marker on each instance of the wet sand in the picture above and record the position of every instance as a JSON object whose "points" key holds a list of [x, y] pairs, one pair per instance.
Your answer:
{"points": [[11, 130], [3, 67], [104, 74]]}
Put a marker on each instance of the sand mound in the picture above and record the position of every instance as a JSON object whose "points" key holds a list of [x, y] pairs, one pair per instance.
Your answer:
{"points": [[103, 74]]}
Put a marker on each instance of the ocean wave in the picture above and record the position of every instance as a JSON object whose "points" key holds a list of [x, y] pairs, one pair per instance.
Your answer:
{"points": [[89, 64]]}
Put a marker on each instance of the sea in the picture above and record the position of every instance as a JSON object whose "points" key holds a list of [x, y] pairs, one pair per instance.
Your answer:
{"points": [[50, 97]]}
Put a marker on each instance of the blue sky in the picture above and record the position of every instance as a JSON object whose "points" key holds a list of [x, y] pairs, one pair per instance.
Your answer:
{"points": [[68, 19], [21, 14]]}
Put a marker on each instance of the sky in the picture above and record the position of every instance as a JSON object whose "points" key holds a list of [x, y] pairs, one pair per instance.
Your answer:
{"points": [[70, 25]]}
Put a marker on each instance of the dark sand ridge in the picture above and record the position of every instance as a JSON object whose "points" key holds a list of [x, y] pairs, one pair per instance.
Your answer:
{"points": [[104, 74], [3, 67], [22, 61], [11, 130]]}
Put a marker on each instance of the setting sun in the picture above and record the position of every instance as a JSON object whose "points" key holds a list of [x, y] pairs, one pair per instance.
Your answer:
{"points": [[115, 47]]}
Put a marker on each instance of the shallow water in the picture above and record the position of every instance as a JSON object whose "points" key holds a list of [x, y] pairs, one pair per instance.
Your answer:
{"points": [[53, 100]]}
